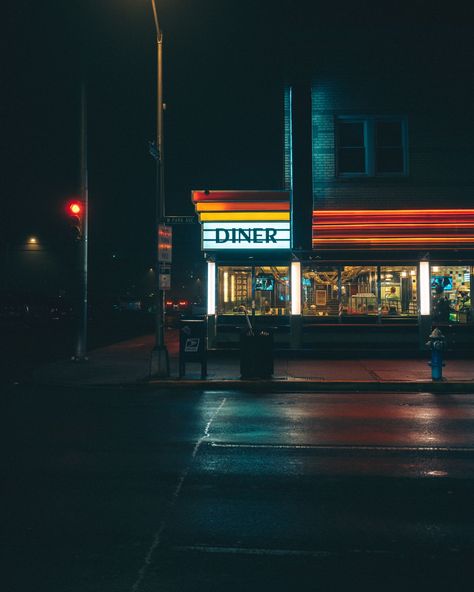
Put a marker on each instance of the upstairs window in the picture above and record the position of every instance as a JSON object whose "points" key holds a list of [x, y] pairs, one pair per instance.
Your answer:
{"points": [[371, 146], [389, 147], [352, 147]]}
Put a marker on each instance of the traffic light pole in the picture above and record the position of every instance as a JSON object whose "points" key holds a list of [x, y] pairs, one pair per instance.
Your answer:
{"points": [[81, 346], [159, 366]]}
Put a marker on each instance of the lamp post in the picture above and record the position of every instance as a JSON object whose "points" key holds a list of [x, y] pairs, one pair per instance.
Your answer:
{"points": [[159, 357]]}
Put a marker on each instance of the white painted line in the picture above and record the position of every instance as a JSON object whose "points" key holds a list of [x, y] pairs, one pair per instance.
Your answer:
{"points": [[344, 447], [277, 552], [172, 502]]}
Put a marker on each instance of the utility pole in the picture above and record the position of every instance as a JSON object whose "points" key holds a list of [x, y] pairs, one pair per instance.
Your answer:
{"points": [[159, 366]]}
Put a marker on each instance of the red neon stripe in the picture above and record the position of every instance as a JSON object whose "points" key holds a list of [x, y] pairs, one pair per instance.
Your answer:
{"points": [[219, 195]]}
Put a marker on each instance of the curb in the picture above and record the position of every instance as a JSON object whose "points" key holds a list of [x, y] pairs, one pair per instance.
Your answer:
{"points": [[314, 386], [275, 385]]}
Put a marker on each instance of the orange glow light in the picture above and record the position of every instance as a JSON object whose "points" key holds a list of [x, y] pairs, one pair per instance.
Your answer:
{"points": [[220, 206], [244, 216], [394, 228]]}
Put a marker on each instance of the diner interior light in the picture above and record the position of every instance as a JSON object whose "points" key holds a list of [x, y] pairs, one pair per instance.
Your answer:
{"points": [[211, 288], [295, 288], [425, 292], [226, 286]]}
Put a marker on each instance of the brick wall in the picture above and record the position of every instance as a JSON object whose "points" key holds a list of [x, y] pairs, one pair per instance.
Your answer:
{"points": [[429, 81]]}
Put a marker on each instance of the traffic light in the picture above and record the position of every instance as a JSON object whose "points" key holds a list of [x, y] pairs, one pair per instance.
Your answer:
{"points": [[75, 210]]}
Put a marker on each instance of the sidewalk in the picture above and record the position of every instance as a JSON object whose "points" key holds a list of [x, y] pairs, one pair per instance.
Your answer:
{"points": [[127, 363]]}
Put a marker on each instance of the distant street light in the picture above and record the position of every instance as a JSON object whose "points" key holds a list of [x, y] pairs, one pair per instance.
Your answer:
{"points": [[159, 358], [32, 240]]}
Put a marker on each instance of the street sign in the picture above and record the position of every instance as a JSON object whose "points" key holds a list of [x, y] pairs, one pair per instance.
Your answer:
{"points": [[165, 234], [180, 219], [164, 280]]}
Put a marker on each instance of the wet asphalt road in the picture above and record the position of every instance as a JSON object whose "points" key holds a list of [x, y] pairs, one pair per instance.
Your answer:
{"points": [[140, 490]]}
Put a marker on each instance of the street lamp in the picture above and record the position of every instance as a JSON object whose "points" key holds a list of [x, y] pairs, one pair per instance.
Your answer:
{"points": [[159, 357]]}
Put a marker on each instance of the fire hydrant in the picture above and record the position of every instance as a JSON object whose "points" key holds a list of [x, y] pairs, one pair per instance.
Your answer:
{"points": [[436, 342]]}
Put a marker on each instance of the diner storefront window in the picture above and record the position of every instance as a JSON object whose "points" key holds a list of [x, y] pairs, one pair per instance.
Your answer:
{"points": [[359, 290], [234, 289], [265, 290], [451, 293], [272, 290], [398, 294], [387, 291], [320, 289]]}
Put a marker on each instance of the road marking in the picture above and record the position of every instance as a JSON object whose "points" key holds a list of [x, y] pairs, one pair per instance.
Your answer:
{"points": [[346, 447], [172, 502], [283, 552]]}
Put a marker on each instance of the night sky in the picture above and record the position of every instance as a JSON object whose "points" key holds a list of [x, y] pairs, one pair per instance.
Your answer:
{"points": [[225, 62]]}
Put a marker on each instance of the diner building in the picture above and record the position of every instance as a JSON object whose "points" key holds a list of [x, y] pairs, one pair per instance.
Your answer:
{"points": [[369, 243]]}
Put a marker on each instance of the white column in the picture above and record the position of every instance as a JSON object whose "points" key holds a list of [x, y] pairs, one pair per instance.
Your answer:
{"points": [[211, 288], [295, 288], [424, 288]]}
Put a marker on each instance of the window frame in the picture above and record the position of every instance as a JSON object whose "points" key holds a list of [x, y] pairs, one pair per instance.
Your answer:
{"points": [[370, 145]]}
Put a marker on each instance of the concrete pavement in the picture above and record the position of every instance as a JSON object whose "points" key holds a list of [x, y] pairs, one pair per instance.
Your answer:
{"points": [[128, 362]]}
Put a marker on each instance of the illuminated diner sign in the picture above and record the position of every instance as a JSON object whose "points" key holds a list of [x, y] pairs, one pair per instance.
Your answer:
{"points": [[244, 219]]}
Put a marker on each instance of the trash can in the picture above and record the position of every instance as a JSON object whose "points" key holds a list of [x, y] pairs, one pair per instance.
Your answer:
{"points": [[256, 354], [192, 344]]}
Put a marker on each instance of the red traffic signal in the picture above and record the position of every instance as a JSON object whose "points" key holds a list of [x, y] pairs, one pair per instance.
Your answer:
{"points": [[75, 209]]}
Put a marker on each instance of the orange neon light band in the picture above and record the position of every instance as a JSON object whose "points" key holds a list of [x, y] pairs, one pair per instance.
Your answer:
{"points": [[435, 239], [393, 228], [259, 206], [321, 213], [404, 225], [244, 216]]}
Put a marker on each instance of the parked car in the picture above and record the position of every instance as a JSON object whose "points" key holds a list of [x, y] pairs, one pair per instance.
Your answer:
{"points": [[175, 309]]}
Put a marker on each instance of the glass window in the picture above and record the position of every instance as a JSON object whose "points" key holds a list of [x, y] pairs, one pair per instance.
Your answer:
{"points": [[389, 147], [398, 295], [267, 288], [320, 290], [451, 293], [272, 290], [234, 289], [351, 145], [371, 145], [359, 290]]}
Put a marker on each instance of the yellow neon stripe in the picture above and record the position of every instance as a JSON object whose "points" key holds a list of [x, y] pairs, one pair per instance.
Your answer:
{"points": [[243, 216]]}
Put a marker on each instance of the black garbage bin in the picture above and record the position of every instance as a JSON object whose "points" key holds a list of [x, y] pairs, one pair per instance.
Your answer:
{"points": [[256, 354]]}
